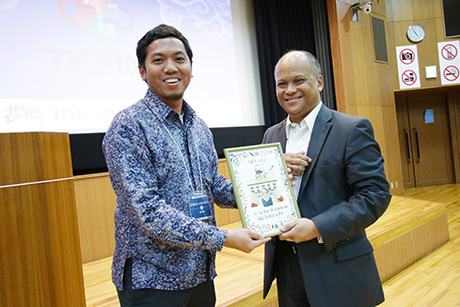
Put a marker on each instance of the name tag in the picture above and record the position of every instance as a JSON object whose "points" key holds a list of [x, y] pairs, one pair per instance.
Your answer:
{"points": [[199, 206]]}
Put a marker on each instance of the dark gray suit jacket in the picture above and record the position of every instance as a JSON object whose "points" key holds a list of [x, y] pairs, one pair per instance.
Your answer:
{"points": [[343, 190]]}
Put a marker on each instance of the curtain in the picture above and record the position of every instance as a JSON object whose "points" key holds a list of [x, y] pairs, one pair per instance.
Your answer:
{"points": [[282, 25]]}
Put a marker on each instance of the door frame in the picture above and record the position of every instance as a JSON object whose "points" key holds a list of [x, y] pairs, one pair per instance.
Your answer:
{"points": [[453, 101]]}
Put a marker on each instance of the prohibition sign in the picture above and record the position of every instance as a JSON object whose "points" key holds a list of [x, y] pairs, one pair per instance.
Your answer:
{"points": [[451, 73], [407, 56], [449, 53], [409, 77]]}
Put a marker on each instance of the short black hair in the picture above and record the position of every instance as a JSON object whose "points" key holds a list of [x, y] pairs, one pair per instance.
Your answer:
{"points": [[160, 31]]}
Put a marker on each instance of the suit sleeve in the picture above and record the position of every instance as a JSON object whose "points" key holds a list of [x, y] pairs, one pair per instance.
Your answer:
{"points": [[265, 138], [366, 184]]}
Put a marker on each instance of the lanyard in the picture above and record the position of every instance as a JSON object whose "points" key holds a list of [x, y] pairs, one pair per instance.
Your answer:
{"points": [[182, 156]]}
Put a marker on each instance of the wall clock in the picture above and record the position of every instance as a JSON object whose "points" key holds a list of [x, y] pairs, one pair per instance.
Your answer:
{"points": [[415, 33]]}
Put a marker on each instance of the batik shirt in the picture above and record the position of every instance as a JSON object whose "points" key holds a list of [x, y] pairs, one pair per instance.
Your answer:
{"points": [[154, 159]]}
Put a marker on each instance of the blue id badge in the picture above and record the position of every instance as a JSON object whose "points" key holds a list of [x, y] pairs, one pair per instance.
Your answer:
{"points": [[199, 206]]}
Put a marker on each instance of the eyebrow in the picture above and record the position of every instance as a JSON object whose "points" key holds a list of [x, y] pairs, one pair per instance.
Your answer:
{"points": [[295, 77], [180, 52]]}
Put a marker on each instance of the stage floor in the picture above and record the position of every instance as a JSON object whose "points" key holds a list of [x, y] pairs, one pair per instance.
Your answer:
{"points": [[433, 280]]}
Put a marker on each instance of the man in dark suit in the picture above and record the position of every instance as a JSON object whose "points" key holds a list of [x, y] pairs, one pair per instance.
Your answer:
{"points": [[324, 258]]}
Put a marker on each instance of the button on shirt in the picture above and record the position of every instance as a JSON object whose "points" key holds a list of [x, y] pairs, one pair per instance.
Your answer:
{"points": [[152, 176], [298, 138]]}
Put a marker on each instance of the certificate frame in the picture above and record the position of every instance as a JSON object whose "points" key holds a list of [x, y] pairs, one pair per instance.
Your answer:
{"points": [[263, 191]]}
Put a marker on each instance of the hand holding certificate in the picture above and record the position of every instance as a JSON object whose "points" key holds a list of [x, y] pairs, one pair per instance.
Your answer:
{"points": [[262, 188]]}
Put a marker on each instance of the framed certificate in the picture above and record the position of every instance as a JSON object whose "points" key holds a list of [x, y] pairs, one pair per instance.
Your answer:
{"points": [[263, 191]]}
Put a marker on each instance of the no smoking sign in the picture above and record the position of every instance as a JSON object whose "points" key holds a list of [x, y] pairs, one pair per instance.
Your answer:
{"points": [[451, 73], [449, 62]]}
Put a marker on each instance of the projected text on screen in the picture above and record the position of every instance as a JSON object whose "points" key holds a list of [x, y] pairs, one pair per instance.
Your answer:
{"points": [[70, 65]]}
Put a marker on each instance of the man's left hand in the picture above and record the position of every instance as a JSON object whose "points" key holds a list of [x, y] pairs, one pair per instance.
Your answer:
{"points": [[299, 231]]}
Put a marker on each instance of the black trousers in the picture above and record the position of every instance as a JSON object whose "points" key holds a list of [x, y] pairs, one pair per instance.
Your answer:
{"points": [[203, 295], [289, 280]]}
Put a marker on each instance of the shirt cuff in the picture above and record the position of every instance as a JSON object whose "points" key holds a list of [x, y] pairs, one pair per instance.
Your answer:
{"points": [[215, 238], [320, 240]]}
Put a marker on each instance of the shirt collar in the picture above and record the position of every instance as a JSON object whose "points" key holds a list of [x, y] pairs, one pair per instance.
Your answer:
{"points": [[162, 110], [308, 120]]}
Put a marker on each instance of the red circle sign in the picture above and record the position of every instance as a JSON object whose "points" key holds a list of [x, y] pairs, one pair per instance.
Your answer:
{"points": [[409, 77], [451, 73], [407, 56], [449, 52]]}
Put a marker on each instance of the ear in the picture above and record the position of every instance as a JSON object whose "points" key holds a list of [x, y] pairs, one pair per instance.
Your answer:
{"points": [[320, 83], [142, 72]]}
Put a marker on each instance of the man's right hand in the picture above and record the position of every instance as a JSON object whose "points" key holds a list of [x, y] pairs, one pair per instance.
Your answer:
{"points": [[297, 162], [244, 239]]}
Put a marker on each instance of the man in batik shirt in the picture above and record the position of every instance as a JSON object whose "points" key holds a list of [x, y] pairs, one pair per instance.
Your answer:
{"points": [[163, 168]]}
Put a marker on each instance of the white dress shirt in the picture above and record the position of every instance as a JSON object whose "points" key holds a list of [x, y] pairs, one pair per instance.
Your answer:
{"points": [[298, 138]]}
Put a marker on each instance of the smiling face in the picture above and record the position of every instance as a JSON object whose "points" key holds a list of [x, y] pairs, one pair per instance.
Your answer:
{"points": [[168, 71], [298, 85]]}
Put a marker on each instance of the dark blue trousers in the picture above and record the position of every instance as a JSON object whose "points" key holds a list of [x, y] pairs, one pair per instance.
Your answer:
{"points": [[289, 279]]}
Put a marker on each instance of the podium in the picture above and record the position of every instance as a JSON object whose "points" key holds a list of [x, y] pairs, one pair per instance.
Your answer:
{"points": [[39, 241]]}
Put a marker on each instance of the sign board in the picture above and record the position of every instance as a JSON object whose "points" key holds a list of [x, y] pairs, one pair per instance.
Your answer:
{"points": [[408, 70], [449, 62]]}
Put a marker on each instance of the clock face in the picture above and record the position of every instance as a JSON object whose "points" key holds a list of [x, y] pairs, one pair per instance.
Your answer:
{"points": [[415, 33]]}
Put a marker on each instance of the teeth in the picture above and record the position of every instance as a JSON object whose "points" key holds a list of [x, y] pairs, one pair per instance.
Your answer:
{"points": [[172, 80]]}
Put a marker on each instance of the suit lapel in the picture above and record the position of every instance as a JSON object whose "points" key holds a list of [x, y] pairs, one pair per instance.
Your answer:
{"points": [[281, 135], [318, 137]]}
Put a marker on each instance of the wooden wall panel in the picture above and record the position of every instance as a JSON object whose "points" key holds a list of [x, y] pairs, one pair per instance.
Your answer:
{"points": [[30, 157], [39, 266], [96, 203], [337, 54], [39, 242], [454, 112], [403, 251], [426, 9], [24, 243], [392, 150], [364, 87], [225, 216], [64, 242], [427, 13]]}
